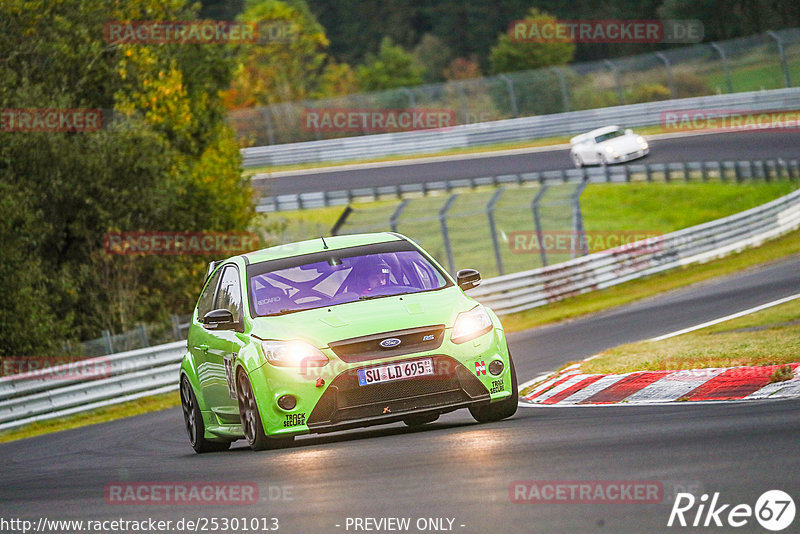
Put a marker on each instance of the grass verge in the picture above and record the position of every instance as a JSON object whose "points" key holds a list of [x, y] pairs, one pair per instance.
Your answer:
{"points": [[100, 415], [767, 337]]}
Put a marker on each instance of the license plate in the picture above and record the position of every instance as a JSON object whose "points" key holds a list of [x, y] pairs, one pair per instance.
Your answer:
{"points": [[395, 371]]}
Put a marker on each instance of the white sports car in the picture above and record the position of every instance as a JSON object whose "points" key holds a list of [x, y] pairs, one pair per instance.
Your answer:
{"points": [[607, 145]]}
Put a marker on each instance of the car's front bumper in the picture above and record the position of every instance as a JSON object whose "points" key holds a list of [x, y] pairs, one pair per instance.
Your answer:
{"points": [[621, 158], [461, 378]]}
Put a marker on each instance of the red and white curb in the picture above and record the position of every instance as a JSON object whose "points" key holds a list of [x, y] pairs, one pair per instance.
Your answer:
{"points": [[571, 387]]}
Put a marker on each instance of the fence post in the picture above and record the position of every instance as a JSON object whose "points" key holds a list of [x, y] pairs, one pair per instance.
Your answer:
{"points": [[787, 79], [538, 223], [448, 249], [397, 213], [176, 327], [143, 335], [562, 82], [668, 67], [615, 71], [577, 219], [493, 229], [511, 96], [411, 101], [724, 59], [109, 343], [268, 125]]}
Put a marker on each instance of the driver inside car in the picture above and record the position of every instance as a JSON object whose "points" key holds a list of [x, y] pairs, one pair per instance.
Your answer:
{"points": [[376, 276]]}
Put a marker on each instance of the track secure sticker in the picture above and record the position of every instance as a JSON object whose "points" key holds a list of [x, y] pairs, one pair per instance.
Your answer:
{"points": [[295, 419], [497, 386]]}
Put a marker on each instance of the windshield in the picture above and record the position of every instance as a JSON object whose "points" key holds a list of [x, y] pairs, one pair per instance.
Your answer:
{"points": [[340, 277], [609, 135]]}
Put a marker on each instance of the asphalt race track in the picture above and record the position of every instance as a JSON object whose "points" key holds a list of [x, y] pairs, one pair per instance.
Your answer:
{"points": [[714, 147], [455, 469]]}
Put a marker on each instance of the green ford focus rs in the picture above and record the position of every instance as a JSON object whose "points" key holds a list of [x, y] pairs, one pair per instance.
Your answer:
{"points": [[338, 333]]}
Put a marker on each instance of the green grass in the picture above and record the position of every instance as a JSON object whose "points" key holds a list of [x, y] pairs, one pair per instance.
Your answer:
{"points": [[768, 337], [100, 415]]}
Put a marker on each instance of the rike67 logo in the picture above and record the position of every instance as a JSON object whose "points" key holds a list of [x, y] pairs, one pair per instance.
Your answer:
{"points": [[774, 510]]}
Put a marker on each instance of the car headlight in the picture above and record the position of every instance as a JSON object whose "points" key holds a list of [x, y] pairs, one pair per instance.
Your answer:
{"points": [[295, 353], [471, 324], [610, 149], [642, 142]]}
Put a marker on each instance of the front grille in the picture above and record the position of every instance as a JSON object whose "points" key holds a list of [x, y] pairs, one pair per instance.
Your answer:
{"points": [[412, 340], [345, 400]]}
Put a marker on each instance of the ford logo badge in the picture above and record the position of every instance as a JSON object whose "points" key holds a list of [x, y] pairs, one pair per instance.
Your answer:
{"points": [[390, 342]]}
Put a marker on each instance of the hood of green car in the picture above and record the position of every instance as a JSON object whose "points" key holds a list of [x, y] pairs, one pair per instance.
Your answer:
{"points": [[354, 319]]}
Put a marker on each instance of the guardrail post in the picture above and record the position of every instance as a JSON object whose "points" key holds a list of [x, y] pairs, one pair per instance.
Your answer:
{"points": [[493, 228], [668, 67], [615, 71], [704, 170], [562, 83], [737, 169], [787, 80], [538, 223], [648, 172], [397, 213], [685, 172], [511, 96], [724, 59], [577, 220], [448, 249]]}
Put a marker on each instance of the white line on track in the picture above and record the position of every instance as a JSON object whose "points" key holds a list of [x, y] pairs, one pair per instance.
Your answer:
{"points": [[726, 318]]}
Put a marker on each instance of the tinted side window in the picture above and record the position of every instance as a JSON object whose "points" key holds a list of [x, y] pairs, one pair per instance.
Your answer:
{"points": [[206, 302], [229, 296]]}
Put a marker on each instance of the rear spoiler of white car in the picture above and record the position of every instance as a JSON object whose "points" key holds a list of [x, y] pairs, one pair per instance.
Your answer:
{"points": [[578, 139]]}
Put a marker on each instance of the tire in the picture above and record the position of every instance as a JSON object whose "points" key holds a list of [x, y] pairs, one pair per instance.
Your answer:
{"points": [[251, 419], [419, 420], [499, 410], [576, 159], [194, 422]]}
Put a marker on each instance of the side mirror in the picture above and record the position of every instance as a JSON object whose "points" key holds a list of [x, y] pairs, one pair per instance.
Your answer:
{"points": [[468, 278], [628, 132], [219, 320]]}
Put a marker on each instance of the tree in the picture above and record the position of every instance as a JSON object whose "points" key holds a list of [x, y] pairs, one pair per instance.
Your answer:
{"points": [[291, 69], [392, 67], [510, 55], [168, 162], [433, 55]]}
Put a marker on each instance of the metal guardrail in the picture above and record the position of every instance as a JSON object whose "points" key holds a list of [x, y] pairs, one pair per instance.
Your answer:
{"points": [[153, 370], [509, 130], [735, 171]]}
